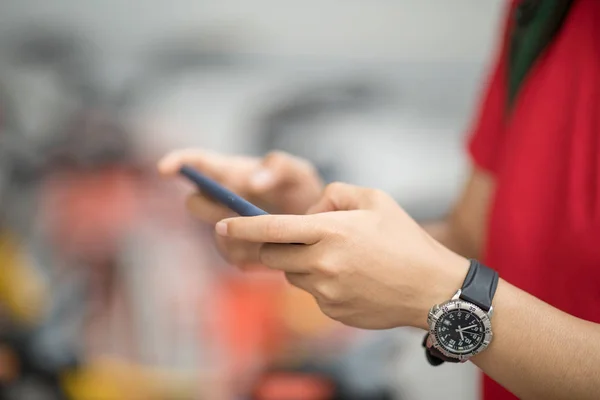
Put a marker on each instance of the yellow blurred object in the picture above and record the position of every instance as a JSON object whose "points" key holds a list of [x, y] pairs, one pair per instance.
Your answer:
{"points": [[107, 380], [115, 379], [22, 290]]}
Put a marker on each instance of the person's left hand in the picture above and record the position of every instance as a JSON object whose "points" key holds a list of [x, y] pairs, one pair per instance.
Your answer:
{"points": [[367, 263]]}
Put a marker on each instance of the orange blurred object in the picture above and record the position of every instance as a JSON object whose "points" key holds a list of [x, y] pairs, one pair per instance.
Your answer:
{"points": [[248, 308], [9, 365], [289, 386], [89, 208]]}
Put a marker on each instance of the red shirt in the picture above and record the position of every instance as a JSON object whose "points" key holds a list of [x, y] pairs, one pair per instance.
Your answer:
{"points": [[544, 226]]}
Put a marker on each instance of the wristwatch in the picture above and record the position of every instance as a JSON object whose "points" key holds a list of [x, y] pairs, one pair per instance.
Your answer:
{"points": [[461, 327]]}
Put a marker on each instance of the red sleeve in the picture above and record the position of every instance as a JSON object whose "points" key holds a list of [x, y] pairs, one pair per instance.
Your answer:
{"points": [[487, 132]]}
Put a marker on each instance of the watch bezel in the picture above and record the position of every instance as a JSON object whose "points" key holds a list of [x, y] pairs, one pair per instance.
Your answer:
{"points": [[440, 310]]}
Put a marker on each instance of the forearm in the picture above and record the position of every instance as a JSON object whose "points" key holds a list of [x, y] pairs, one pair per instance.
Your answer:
{"points": [[539, 352], [464, 229], [446, 232]]}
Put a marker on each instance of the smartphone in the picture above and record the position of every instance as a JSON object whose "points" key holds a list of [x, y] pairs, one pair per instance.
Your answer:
{"points": [[221, 194]]}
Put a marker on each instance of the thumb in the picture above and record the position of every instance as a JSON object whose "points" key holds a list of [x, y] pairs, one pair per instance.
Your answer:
{"points": [[343, 197], [209, 162]]}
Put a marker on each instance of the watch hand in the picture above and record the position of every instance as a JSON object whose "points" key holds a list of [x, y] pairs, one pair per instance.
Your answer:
{"points": [[468, 327], [459, 330]]}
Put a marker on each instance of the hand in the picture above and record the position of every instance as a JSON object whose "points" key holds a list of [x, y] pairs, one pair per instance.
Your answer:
{"points": [[279, 182], [367, 263]]}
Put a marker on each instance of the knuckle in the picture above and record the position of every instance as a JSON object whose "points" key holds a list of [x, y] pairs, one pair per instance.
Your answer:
{"points": [[279, 158], [276, 157], [335, 187], [327, 292], [308, 167], [328, 266], [330, 311], [376, 196], [382, 196], [339, 232]]}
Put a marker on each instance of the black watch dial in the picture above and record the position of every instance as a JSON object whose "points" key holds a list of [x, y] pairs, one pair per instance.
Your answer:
{"points": [[460, 331]]}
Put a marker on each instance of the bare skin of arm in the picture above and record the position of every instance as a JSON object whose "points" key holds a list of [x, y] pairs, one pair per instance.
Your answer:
{"points": [[464, 230], [540, 352]]}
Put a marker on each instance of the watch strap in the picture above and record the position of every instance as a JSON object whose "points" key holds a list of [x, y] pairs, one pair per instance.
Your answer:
{"points": [[434, 356], [479, 285]]}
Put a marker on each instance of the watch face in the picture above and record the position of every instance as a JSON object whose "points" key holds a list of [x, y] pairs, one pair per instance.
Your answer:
{"points": [[460, 329]]}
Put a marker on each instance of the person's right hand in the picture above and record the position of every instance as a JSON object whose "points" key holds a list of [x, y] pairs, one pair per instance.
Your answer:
{"points": [[279, 183]]}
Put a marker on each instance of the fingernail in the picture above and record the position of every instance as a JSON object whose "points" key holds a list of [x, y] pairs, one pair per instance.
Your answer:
{"points": [[221, 228], [261, 179]]}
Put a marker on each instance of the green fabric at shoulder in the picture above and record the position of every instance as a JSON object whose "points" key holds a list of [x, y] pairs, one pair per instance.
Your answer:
{"points": [[530, 36]]}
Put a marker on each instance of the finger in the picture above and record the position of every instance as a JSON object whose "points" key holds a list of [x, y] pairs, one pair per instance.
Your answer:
{"points": [[301, 281], [274, 229], [327, 293], [205, 209], [239, 253], [279, 169], [285, 257], [210, 163], [344, 197]]}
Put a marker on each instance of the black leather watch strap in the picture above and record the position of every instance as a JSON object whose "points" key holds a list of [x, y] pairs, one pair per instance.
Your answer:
{"points": [[434, 356], [479, 285]]}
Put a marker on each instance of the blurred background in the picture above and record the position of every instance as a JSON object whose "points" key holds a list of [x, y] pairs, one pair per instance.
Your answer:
{"points": [[109, 290]]}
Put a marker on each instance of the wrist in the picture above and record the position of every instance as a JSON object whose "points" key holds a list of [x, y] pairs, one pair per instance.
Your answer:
{"points": [[446, 277]]}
